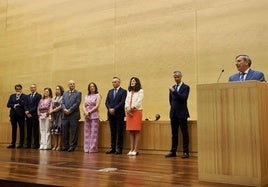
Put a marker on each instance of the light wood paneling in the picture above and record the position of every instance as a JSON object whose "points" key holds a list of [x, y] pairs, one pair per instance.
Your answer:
{"points": [[50, 42], [232, 124], [155, 137]]}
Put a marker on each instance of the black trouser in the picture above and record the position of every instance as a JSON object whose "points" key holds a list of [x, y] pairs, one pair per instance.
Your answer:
{"points": [[175, 124], [117, 128], [14, 121], [32, 130], [70, 126]]}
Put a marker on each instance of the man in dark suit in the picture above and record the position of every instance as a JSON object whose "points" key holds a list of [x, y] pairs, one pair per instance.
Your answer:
{"points": [[243, 63], [16, 104], [115, 103], [178, 96], [32, 120], [71, 115]]}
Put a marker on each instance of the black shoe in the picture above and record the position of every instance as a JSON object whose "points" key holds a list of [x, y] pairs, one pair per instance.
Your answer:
{"points": [[71, 150], [11, 146], [19, 146], [118, 152], [171, 154], [28, 147], [111, 151], [65, 149], [36, 147], [185, 155]]}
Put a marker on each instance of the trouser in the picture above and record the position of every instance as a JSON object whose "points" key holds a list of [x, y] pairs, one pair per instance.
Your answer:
{"points": [[175, 124], [16, 120], [91, 129], [32, 131], [70, 126], [116, 128], [45, 141]]}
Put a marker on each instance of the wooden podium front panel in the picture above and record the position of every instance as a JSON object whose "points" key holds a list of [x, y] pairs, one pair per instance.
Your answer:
{"points": [[231, 148]]}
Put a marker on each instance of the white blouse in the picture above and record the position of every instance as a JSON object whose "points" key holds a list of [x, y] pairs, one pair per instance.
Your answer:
{"points": [[136, 100]]}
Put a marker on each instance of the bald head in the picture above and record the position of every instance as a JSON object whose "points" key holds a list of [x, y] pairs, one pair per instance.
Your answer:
{"points": [[71, 85]]}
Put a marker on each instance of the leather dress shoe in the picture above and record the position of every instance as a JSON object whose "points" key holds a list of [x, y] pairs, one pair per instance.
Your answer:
{"points": [[171, 154], [111, 151], [65, 149], [71, 150], [19, 146], [185, 155], [36, 147], [118, 152], [11, 146], [27, 147]]}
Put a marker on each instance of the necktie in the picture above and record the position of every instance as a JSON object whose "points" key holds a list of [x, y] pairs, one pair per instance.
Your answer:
{"points": [[115, 91], [177, 86], [70, 94], [31, 97], [242, 75]]}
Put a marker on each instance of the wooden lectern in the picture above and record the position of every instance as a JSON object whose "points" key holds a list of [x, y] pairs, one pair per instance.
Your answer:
{"points": [[233, 133]]}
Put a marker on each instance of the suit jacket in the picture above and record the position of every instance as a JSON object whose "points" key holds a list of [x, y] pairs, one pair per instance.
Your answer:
{"points": [[32, 104], [117, 103], [72, 104], [251, 75], [178, 102], [19, 110]]}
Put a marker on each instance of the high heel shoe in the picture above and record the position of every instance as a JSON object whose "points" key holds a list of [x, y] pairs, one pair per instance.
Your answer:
{"points": [[134, 153], [54, 148], [58, 149], [129, 153]]}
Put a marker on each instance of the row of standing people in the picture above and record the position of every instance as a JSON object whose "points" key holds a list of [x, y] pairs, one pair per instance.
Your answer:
{"points": [[41, 112], [118, 102], [60, 114]]}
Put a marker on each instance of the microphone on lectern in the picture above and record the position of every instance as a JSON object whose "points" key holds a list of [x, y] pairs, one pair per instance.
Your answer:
{"points": [[220, 75]]}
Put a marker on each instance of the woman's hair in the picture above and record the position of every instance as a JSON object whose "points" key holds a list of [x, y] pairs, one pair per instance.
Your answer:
{"points": [[96, 88], [61, 89], [49, 91], [137, 87]]}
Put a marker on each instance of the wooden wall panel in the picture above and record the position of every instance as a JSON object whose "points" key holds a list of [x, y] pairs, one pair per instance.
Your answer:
{"points": [[155, 137], [49, 42]]}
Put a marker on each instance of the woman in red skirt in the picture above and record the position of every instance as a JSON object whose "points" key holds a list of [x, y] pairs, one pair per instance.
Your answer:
{"points": [[133, 106]]}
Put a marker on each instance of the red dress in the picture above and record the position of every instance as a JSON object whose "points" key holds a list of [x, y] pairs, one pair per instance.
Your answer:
{"points": [[133, 122]]}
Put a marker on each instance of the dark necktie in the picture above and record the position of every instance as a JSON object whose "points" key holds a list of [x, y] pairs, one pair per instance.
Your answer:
{"points": [[31, 97], [177, 87], [70, 94], [115, 91], [242, 75]]}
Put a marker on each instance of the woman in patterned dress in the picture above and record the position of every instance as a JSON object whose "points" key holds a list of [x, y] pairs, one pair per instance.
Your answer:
{"points": [[56, 115], [91, 113]]}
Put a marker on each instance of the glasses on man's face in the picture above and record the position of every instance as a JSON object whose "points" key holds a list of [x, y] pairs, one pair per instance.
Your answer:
{"points": [[18, 89]]}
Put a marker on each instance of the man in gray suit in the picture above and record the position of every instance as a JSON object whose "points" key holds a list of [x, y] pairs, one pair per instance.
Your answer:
{"points": [[243, 63], [71, 115]]}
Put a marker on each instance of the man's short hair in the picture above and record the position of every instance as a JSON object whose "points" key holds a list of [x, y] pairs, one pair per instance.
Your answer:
{"points": [[177, 73], [246, 58]]}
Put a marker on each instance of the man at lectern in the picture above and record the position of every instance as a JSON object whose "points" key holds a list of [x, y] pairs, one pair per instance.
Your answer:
{"points": [[243, 63], [178, 96]]}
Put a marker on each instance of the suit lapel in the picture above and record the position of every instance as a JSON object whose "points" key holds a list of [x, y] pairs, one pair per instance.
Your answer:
{"points": [[181, 88], [249, 74]]}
